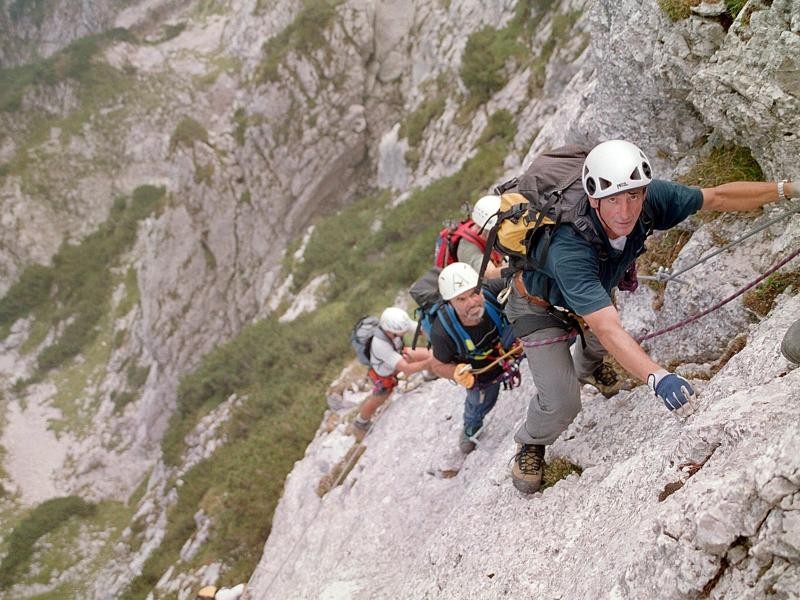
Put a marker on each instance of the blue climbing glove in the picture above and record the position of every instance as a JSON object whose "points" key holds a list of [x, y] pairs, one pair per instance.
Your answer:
{"points": [[676, 392]]}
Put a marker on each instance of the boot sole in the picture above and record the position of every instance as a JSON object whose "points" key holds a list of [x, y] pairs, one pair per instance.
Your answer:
{"points": [[526, 487], [466, 448]]}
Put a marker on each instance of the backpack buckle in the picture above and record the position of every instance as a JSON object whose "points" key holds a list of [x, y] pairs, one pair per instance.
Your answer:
{"points": [[503, 295]]}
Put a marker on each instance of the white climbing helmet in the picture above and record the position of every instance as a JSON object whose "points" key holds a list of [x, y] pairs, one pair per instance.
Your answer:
{"points": [[485, 212], [615, 166], [396, 320], [456, 279]]}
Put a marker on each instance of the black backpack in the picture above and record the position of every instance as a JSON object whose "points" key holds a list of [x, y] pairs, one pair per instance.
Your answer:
{"points": [[425, 292]]}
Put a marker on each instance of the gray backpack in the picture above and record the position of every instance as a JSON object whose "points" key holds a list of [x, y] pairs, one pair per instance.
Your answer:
{"points": [[549, 193], [361, 337]]}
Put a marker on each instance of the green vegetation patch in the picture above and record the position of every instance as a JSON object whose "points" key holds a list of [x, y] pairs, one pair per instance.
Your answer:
{"points": [[187, 132], [484, 63], [35, 10], [722, 165], [78, 62], [240, 120], [207, 8], [492, 54], [761, 299], [75, 290], [678, 10], [734, 6], [302, 36], [73, 399], [172, 31], [131, 297], [414, 125], [561, 27], [556, 470], [280, 371], [45, 518], [65, 547]]}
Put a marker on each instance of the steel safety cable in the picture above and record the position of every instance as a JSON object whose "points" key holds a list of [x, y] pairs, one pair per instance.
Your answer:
{"points": [[721, 303], [663, 275]]}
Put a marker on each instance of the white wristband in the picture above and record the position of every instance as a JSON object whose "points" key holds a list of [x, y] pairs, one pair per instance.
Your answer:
{"points": [[781, 191]]}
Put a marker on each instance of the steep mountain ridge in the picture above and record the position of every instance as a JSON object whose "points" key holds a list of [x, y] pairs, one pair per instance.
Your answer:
{"points": [[258, 119]]}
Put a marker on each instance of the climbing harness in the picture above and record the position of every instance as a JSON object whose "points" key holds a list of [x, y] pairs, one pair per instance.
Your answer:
{"points": [[509, 363], [569, 336], [515, 349]]}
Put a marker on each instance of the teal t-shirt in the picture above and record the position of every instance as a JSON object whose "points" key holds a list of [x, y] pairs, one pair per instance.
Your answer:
{"points": [[574, 276]]}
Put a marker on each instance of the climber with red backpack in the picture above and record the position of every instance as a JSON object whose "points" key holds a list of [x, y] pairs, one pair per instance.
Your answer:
{"points": [[466, 241], [574, 224]]}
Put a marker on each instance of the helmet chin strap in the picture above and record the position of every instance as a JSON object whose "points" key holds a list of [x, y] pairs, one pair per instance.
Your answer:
{"points": [[600, 216]]}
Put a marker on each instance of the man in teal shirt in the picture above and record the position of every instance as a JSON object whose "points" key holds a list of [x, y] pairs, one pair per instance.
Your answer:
{"points": [[626, 205]]}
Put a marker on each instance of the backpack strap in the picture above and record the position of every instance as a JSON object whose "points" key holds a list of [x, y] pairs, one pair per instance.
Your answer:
{"points": [[464, 230], [416, 335], [515, 212], [494, 312], [455, 330], [501, 189]]}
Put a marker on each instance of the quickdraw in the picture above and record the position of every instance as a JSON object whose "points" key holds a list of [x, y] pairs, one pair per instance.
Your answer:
{"points": [[509, 362]]}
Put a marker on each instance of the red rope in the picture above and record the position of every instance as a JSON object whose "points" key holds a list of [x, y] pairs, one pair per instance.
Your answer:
{"points": [[719, 304], [562, 338]]}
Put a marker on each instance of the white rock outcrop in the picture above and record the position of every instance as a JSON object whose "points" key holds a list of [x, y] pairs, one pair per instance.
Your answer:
{"points": [[705, 508]]}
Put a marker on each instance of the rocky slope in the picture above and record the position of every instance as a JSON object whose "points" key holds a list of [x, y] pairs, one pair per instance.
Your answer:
{"points": [[258, 118], [703, 509]]}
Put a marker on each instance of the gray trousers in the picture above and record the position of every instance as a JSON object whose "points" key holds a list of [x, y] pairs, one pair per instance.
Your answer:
{"points": [[555, 374]]}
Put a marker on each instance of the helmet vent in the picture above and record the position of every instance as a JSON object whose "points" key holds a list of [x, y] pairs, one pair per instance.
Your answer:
{"points": [[604, 184], [635, 175]]}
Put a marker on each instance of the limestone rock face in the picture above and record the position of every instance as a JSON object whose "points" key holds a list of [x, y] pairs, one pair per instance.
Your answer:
{"points": [[662, 508], [283, 130], [750, 92], [38, 29]]}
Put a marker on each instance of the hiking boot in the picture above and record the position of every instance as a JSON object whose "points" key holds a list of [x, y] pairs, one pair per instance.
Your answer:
{"points": [[466, 444], [790, 346], [526, 474], [605, 379], [358, 429]]}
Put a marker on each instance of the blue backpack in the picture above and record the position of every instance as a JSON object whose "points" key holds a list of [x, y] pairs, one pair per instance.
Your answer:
{"points": [[425, 292]]}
